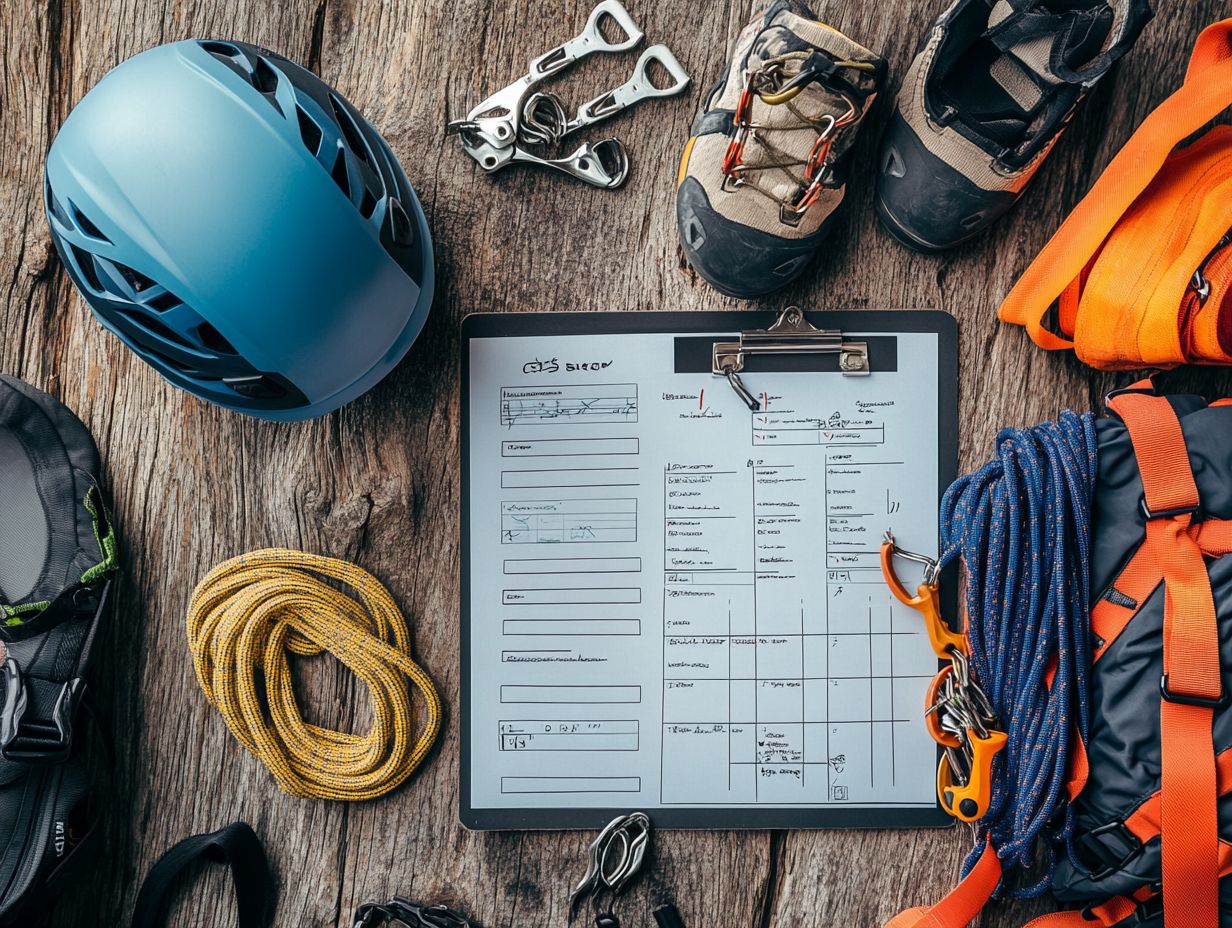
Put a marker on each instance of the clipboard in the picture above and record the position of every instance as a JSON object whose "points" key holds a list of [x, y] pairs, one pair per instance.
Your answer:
{"points": [[599, 543]]}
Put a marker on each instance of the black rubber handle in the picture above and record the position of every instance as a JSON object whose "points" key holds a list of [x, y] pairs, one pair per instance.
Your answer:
{"points": [[238, 847]]}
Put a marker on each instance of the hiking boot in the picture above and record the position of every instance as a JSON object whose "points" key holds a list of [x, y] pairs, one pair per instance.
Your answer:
{"points": [[765, 168], [982, 105]]}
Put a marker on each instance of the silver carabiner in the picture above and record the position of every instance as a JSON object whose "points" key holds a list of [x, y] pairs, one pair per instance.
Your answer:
{"points": [[629, 835], [497, 120], [544, 120], [932, 567]]}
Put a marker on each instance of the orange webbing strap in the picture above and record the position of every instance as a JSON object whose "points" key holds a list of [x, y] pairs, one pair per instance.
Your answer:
{"points": [[1145, 821], [1137, 581], [1059, 268], [1214, 538], [1192, 685], [964, 901]]}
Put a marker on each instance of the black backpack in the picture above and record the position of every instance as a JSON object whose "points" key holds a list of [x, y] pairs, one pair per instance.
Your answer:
{"points": [[1149, 789], [57, 560]]}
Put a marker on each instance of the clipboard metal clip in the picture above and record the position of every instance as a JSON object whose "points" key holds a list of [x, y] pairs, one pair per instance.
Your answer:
{"points": [[791, 333]]}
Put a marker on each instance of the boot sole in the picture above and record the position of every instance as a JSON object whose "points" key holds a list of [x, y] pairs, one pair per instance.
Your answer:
{"points": [[907, 238]]}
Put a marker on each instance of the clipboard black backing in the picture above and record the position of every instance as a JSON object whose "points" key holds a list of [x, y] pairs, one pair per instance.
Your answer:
{"points": [[692, 355]]}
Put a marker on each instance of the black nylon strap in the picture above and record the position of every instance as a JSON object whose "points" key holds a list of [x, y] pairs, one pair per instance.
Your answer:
{"points": [[238, 847]]}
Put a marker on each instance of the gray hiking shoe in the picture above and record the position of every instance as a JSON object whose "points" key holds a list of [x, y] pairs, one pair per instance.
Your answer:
{"points": [[765, 168], [990, 92]]}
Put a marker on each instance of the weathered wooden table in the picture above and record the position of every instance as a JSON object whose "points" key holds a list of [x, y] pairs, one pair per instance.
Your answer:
{"points": [[378, 482]]}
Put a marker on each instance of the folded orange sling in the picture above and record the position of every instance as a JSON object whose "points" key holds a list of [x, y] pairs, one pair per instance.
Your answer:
{"points": [[1140, 273]]}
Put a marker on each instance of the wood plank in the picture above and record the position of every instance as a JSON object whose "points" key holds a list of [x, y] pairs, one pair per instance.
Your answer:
{"points": [[378, 482]]}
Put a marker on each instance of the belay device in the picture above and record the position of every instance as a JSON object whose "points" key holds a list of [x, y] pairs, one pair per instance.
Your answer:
{"points": [[1098, 591], [58, 559]]}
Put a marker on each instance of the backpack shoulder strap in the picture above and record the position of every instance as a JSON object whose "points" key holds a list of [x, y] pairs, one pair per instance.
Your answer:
{"points": [[1192, 686]]}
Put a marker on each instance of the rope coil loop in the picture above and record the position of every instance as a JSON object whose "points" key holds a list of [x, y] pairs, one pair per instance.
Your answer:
{"points": [[250, 612], [1021, 526]]}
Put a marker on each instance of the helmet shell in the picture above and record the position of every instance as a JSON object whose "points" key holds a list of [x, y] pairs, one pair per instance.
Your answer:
{"points": [[238, 224]]}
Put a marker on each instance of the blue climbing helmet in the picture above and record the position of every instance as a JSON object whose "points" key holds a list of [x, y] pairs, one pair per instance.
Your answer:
{"points": [[241, 227]]}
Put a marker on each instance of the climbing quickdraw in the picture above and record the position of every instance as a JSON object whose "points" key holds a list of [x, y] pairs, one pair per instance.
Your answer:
{"points": [[958, 713]]}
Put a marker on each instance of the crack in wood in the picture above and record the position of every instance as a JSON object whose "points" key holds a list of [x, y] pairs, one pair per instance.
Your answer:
{"points": [[774, 876]]}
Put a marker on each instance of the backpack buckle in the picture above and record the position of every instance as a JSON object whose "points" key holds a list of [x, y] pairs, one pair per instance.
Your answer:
{"points": [[26, 737], [1108, 847], [1151, 514], [1188, 699]]}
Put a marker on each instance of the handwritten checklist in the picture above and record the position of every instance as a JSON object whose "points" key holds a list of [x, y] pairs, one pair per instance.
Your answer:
{"points": [[675, 604]]}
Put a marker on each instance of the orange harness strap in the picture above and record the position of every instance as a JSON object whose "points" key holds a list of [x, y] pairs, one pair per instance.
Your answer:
{"points": [[964, 901], [1138, 581], [1059, 272], [1192, 685], [1145, 821]]}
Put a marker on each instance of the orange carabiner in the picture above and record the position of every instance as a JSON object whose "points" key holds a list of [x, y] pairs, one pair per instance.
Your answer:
{"points": [[969, 802], [926, 601]]}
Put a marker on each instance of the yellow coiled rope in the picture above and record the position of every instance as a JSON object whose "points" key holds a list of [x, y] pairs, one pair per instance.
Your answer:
{"points": [[251, 611]]}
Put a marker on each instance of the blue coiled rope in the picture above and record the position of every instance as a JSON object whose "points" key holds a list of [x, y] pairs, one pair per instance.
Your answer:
{"points": [[1022, 526]]}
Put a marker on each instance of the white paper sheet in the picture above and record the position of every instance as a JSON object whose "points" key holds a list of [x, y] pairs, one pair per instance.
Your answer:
{"points": [[676, 603]]}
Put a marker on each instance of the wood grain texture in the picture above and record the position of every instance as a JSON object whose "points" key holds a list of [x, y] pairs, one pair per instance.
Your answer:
{"points": [[378, 481]]}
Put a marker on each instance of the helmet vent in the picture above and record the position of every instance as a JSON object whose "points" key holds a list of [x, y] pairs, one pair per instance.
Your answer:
{"points": [[339, 174], [154, 327], [367, 204], [255, 71], [53, 204], [164, 302], [228, 55], [256, 388], [222, 50], [309, 131], [400, 228], [164, 358], [265, 78], [85, 261], [86, 226], [212, 339], [135, 279], [350, 132]]}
